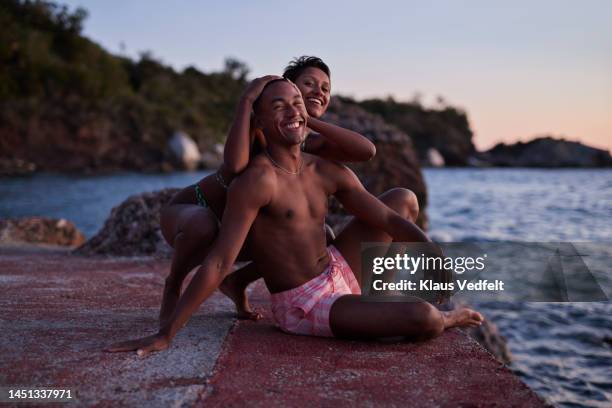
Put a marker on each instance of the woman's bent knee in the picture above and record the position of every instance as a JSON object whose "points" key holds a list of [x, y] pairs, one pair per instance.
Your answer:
{"points": [[403, 201], [168, 220], [200, 227], [196, 224]]}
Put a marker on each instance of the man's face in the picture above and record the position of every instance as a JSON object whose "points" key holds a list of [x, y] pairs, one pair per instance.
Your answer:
{"points": [[315, 87], [282, 113]]}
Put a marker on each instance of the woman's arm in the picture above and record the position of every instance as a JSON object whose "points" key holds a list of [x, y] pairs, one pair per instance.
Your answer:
{"points": [[238, 143], [336, 143]]}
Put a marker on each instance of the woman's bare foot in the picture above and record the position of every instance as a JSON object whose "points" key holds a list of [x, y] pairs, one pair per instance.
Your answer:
{"points": [[463, 317], [231, 288], [169, 301]]}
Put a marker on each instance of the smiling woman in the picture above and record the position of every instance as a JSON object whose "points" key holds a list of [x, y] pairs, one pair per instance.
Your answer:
{"points": [[312, 77]]}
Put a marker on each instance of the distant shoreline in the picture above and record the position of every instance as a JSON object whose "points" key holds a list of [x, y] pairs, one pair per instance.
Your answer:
{"points": [[115, 172]]}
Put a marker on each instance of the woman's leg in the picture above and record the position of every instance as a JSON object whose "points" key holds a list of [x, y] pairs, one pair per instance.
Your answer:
{"points": [[353, 317], [190, 230], [234, 287]]}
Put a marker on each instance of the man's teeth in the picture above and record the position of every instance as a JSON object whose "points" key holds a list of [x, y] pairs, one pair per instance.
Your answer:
{"points": [[293, 125], [315, 100]]}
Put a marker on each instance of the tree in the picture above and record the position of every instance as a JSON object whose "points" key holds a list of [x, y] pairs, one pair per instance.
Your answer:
{"points": [[236, 69]]}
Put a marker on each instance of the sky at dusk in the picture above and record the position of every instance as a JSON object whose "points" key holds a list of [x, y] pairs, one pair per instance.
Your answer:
{"points": [[520, 69]]}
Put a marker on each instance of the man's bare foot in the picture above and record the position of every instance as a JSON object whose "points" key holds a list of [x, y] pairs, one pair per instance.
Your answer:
{"points": [[231, 288], [169, 302], [462, 317]]}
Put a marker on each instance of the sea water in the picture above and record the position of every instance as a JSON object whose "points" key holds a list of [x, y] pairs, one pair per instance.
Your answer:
{"points": [[562, 350]]}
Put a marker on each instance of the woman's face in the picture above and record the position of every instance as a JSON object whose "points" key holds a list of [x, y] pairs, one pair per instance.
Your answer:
{"points": [[315, 87]]}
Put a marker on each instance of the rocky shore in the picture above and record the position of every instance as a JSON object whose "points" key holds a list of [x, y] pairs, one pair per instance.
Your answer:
{"points": [[443, 130], [41, 231], [544, 152], [132, 228], [67, 104], [396, 163]]}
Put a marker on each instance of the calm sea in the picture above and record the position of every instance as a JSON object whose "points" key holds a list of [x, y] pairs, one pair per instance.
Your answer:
{"points": [[562, 350]]}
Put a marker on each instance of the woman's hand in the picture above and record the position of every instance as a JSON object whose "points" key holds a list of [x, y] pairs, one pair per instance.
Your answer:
{"points": [[254, 89], [144, 346]]}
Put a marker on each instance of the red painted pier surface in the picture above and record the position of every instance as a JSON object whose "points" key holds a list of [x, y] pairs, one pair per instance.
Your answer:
{"points": [[57, 312]]}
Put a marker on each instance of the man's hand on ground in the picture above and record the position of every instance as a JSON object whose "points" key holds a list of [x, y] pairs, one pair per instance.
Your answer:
{"points": [[143, 347]]}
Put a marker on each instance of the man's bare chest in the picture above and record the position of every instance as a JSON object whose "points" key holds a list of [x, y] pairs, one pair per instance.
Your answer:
{"points": [[297, 200]]}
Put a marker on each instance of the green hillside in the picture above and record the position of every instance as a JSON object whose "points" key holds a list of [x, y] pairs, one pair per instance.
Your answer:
{"points": [[62, 93], [444, 128], [67, 104]]}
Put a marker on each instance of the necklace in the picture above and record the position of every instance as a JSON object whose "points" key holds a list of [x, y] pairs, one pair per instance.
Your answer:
{"points": [[298, 171]]}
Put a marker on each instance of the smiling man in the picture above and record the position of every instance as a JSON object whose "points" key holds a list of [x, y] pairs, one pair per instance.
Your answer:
{"points": [[279, 204]]}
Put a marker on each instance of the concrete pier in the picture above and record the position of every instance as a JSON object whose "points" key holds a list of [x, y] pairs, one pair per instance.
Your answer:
{"points": [[59, 311]]}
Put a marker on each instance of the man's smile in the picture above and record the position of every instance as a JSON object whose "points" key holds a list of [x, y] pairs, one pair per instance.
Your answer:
{"points": [[294, 125]]}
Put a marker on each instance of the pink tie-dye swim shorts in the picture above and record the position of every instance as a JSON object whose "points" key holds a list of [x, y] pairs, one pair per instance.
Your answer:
{"points": [[305, 309]]}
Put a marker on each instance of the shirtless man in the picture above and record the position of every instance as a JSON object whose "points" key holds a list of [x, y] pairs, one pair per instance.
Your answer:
{"points": [[279, 204], [190, 222]]}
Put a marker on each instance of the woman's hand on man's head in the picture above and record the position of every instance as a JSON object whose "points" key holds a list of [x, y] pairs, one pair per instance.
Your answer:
{"points": [[256, 86]]}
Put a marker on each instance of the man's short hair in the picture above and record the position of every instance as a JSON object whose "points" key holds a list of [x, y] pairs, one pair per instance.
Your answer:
{"points": [[258, 100], [298, 65]]}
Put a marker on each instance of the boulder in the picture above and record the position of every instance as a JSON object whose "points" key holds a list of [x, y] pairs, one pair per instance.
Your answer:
{"points": [[184, 151], [395, 164], [488, 336], [16, 167], [213, 158], [546, 152], [39, 230], [132, 228], [434, 158]]}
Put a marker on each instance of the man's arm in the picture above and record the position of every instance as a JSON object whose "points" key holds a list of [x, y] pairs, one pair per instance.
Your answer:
{"points": [[369, 209], [336, 143], [246, 196]]}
